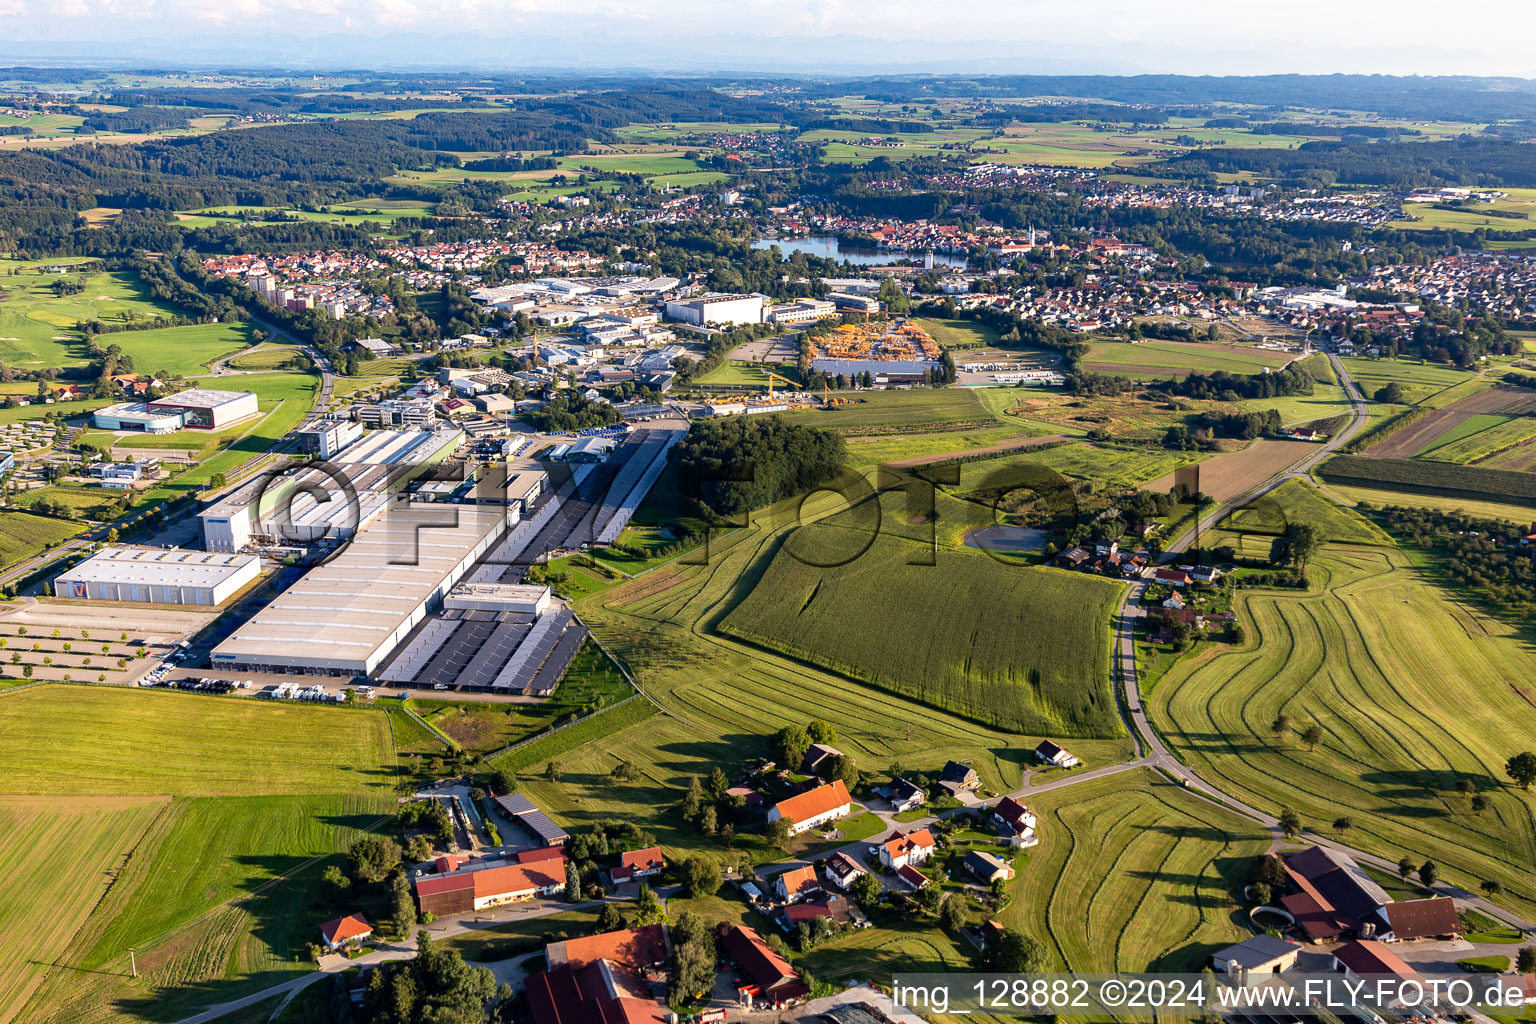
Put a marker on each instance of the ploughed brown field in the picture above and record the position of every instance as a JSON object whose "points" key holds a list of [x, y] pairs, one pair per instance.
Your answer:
{"points": [[1228, 475]]}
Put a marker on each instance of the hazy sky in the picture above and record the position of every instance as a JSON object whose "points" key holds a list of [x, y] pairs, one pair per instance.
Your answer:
{"points": [[1189, 36]]}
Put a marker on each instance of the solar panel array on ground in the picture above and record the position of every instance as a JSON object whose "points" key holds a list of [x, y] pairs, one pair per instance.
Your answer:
{"points": [[530, 654], [512, 548], [420, 650], [648, 463], [548, 676], [497, 649]]}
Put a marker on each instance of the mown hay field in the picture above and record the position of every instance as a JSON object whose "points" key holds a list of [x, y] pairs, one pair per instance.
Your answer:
{"points": [[1298, 501], [1133, 873], [192, 828], [1414, 692], [109, 741], [1022, 648], [1231, 474], [58, 860]]}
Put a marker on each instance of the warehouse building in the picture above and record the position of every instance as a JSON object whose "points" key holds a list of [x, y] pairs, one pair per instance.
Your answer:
{"points": [[309, 505], [206, 409], [717, 309], [158, 576], [346, 616]]}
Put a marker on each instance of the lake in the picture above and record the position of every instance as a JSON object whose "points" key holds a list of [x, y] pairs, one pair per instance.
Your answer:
{"points": [[830, 247]]}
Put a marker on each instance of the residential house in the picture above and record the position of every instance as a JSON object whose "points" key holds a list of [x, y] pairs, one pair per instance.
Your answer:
{"points": [[1205, 574], [640, 948], [911, 877], [489, 884], [1260, 954], [1174, 602], [914, 848], [767, 978], [344, 930], [957, 777], [635, 864], [813, 808], [1016, 821], [987, 867], [834, 907], [1052, 754], [1172, 577], [842, 869], [796, 884], [905, 796]]}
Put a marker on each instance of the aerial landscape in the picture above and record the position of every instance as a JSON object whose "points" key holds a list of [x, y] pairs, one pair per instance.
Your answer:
{"points": [[666, 535]]}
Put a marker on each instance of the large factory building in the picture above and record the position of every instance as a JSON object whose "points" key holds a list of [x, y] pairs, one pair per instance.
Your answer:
{"points": [[310, 505], [346, 616], [158, 576]]}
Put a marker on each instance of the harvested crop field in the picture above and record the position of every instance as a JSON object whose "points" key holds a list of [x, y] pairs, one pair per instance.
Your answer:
{"points": [[1521, 459], [1179, 358], [59, 858], [1231, 474], [1015, 444], [1482, 411]]}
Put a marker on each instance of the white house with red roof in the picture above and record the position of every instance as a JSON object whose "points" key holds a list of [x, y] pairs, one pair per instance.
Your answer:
{"points": [[344, 930], [638, 864], [813, 808], [914, 848], [1017, 821]]}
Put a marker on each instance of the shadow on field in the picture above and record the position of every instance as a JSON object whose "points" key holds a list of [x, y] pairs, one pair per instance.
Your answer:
{"points": [[1418, 783], [728, 749]]}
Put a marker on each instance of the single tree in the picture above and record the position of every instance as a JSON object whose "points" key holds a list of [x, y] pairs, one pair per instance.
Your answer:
{"points": [[1312, 735], [776, 833], [1525, 960], [609, 919], [1492, 886], [1261, 893], [648, 909], [1404, 866], [1281, 725], [709, 820], [952, 916], [1014, 952], [1479, 804], [1290, 821], [1343, 824], [1522, 768], [1428, 874], [866, 888], [701, 876], [572, 882]]}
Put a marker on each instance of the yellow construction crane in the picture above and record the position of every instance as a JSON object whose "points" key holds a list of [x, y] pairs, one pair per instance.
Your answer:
{"points": [[773, 377]]}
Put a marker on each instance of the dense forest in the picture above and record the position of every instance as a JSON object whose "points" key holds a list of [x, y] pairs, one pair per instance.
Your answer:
{"points": [[738, 463]]}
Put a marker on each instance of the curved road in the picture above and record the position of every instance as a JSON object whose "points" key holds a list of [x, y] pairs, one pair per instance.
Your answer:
{"points": [[1154, 753]]}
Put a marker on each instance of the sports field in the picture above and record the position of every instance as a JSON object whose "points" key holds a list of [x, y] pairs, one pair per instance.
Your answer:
{"points": [[196, 828], [1414, 692], [1178, 358], [1133, 874]]}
